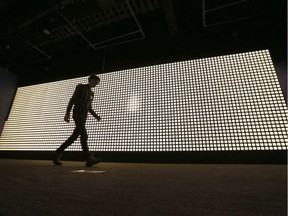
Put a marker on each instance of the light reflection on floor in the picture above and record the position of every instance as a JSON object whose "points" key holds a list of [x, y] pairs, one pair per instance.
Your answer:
{"points": [[88, 171]]}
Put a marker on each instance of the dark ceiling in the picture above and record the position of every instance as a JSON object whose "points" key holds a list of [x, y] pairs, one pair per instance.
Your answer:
{"points": [[49, 40]]}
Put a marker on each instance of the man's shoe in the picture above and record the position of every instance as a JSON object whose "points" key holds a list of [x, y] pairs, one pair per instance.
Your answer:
{"points": [[92, 161], [56, 159]]}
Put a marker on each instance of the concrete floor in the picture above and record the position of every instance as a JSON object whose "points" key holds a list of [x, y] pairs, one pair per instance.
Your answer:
{"points": [[30, 187]]}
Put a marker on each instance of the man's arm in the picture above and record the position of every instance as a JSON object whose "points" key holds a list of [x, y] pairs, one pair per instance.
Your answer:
{"points": [[71, 103], [93, 113]]}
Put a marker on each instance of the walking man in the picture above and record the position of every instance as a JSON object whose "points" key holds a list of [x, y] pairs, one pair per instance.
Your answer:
{"points": [[81, 99]]}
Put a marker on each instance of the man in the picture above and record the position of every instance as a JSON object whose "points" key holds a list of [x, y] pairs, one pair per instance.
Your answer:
{"points": [[81, 99]]}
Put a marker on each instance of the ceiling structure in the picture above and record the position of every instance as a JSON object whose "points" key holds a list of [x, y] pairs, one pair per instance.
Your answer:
{"points": [[49, 40]]}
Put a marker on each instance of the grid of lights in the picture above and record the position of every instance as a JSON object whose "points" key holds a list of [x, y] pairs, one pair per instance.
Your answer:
{"points": [[224, 103]]}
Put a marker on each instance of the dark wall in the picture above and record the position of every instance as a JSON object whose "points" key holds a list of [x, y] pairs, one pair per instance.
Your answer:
{"points": [[215, 157], [8, 87], [281, 69]]}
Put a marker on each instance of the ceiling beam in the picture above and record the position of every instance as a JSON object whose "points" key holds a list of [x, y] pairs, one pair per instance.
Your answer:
{"points": [[170, 16]]}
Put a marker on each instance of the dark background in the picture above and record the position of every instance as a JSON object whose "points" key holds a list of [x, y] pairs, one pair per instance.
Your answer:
{"points": [[49, 40]]}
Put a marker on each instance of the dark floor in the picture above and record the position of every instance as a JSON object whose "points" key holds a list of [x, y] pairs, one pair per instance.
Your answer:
{"points": [[38, 188]]}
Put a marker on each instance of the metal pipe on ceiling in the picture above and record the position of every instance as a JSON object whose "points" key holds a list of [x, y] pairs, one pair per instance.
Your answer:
{"points": [[35, 47]]}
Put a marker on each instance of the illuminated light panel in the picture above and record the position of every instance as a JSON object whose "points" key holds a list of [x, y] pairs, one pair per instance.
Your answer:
{"points": [[223, 103]]}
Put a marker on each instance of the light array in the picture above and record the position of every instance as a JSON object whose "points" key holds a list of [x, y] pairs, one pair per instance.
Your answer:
{"points": [[223, 103]]}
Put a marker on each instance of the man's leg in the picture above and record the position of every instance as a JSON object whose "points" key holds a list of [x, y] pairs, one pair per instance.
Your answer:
{"points": [[80, 121], [83, 139], [65, 145], [68, 142], [90, 160]]}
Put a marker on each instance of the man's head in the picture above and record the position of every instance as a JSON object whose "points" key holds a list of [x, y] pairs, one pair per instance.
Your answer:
{"points": [[93, 80]]}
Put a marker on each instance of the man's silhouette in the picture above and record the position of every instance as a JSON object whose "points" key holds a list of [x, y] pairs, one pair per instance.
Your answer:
{"points": [[81, 99]]}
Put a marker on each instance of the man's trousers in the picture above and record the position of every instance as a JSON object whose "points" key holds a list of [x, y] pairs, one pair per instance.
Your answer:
{"points": [[80, 130]]}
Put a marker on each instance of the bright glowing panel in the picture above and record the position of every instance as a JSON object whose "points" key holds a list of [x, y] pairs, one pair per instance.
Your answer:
{"points": [[231, 102]]}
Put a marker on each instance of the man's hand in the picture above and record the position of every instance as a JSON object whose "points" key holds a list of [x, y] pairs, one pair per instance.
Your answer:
{"points": [[98, 118], [67, 118]]}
